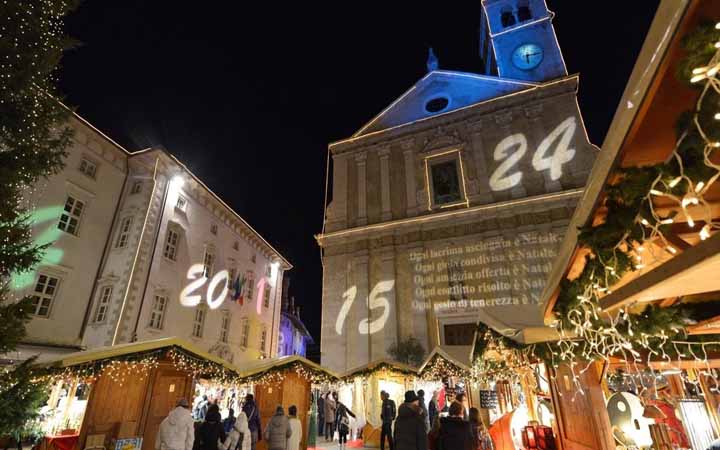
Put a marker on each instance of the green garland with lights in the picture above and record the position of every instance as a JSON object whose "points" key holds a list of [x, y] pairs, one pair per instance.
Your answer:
{"points": [[615, 245]]}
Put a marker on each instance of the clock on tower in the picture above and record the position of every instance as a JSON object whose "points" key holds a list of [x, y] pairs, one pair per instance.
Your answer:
{"points": [[518, 40]]}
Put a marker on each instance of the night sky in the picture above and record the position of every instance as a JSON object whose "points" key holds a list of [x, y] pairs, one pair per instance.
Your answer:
{"points": [[249, 94]]}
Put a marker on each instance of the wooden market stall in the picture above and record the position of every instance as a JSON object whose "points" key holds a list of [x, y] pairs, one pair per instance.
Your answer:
{"points": [[647, 253], [285, 381], [132, 387]]}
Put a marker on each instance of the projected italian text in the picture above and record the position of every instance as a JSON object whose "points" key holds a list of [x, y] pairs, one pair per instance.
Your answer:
{"points": [[494, 272]]}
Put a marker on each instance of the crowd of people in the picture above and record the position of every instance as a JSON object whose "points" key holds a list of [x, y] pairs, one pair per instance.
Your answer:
{"points": [[418, 426], [204, 429]]}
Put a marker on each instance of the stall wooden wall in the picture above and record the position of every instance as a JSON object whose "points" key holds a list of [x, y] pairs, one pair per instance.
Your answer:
{"points": [[134, 408], [293, 390], [582, 419]]}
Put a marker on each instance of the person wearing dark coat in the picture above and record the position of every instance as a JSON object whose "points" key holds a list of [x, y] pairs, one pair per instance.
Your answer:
{"points": [[211, 431], [455, 433], [387, 415], [423, 406], [342, 422], [410, 425], [321, 414], [253, 417]]}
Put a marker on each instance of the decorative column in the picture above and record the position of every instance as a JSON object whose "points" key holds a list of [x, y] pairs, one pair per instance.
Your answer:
{"points": [[539, 131], [337, 213], [410, 188], [504, 120], [384, 153], [361, 160], [358, 345]]}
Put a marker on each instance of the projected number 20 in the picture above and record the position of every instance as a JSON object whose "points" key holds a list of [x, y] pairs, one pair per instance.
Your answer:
{"points": [[374, 300], [196, 272]]}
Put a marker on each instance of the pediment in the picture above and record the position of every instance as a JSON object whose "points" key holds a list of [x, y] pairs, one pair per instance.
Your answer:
{"points": [[440, 92]]}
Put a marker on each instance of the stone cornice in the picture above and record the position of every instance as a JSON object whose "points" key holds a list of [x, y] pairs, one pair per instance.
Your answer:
{"points": [[521, 99]]}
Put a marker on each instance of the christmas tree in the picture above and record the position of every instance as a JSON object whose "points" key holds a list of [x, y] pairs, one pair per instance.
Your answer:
{"points": [[33, 138]]}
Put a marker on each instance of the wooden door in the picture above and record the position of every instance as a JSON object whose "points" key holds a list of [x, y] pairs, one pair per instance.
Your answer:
{"points": [[296, 391], [168, 386], [582, 418], [267, 398]]}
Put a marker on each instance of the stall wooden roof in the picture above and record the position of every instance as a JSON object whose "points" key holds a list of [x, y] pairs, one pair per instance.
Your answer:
{"points": [[460, 356], [642, 132]]}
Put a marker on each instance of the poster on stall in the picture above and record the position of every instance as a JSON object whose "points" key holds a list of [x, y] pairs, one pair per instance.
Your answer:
{"points": [[134, 443]]}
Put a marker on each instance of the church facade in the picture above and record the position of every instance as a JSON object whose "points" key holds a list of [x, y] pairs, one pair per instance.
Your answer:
{"points": [[449, 206]]}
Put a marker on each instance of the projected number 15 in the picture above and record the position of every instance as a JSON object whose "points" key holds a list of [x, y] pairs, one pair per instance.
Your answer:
{"points": [[374, 301]]}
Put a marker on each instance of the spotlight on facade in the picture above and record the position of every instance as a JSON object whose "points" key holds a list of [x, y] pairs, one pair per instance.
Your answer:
{"points": [[177, 182]]}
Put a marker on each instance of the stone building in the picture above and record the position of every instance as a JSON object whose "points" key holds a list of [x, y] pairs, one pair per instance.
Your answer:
{"points": [[448, 207], [293, 337], [141, 249]]}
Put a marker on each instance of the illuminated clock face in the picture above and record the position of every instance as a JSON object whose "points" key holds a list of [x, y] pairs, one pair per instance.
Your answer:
{"points": [[527, 56]]}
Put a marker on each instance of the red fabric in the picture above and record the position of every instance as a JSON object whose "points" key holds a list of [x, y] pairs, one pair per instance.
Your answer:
{"points": [[441, 399], [675, 426], [62, 442], [357, 443]]}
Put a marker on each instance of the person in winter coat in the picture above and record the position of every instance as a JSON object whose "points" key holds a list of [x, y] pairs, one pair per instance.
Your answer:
{"points": [[295, 429], [201, 408], [239, 436], [410, 425], [330, 408], [342, 423], [253, 417], [177, 430], [462, 399], [455, 433], [211, 432], [481, 437], [278, 430], [434, 434], [423, 406], [229, 421], [387, 415], [321, 415], [433, 408]]}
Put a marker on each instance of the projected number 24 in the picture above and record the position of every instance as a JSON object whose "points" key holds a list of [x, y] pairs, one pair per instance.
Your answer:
{"points": [[374, 301], [502, 179]]}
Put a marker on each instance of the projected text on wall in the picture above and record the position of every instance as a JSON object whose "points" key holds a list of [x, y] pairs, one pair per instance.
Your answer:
{"points": [[493, 272]]}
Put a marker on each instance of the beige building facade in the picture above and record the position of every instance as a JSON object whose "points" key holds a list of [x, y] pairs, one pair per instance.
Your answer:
{"points": [[449, 206], [141, 249]]}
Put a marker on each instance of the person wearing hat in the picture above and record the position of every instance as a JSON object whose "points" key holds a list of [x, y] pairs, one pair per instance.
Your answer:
{"points": [[177, 431], [410, 431]]}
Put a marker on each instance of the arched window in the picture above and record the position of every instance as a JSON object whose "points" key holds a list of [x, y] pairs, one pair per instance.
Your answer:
{"points": [[523, 12], [507, 18]]}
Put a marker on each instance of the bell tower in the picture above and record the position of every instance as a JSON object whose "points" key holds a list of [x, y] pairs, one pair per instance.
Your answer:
{"points": [[517, 40]]}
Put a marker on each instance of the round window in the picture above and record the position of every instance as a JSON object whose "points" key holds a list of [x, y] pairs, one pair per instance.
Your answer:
{"points": [[436, 104]]}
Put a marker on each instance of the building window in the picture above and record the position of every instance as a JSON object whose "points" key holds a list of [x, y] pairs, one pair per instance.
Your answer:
{"points": [[44, 294], [245, 333], [124, 232], [268, 271], [171, 245], [136, 187], [507, 18], [523, 11], [263, 339], [250, 285], [266, 295], [181, 203], [459, 333], [198, 322], [157, 315], [236, 246], [231, 276], [252, 258], [445, 178], [88, 167], [224, 326], [213, 229], [103, 304], [70, 217], [208, 263]]}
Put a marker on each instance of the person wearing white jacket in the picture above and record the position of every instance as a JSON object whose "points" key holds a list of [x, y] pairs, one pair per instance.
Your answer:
{"points": [[293, 442], [177, 430], [232, 439]]}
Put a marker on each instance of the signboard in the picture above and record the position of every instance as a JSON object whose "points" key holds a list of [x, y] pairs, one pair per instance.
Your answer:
{"points": [[134, 443], [488, 399]]}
